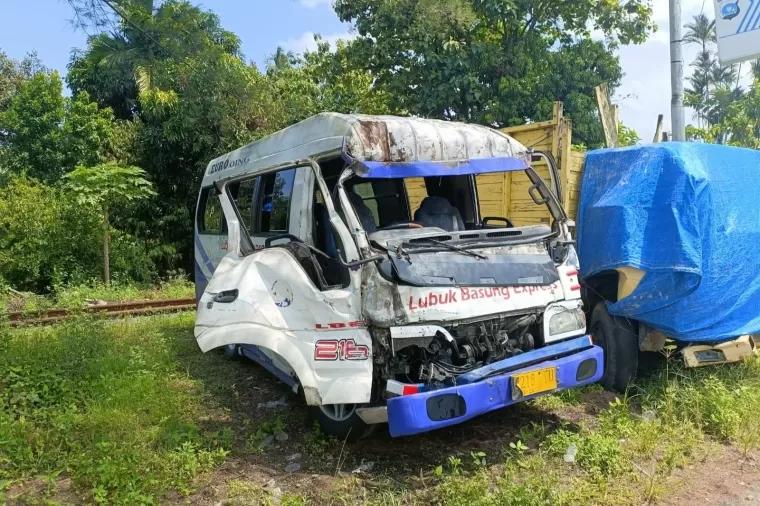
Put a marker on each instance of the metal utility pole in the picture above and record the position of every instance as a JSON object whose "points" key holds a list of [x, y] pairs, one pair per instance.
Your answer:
{"points": [[677, 115]]}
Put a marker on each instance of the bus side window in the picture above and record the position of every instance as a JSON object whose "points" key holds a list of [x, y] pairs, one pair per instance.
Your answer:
{"points": [[242, 194], [210, 215], [275, 208]]}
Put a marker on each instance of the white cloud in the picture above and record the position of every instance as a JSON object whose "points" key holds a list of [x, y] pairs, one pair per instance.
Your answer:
{"points": [[310, 4], [306, 41]]}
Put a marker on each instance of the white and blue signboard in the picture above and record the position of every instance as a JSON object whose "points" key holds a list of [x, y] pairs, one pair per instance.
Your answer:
{"points": [[737, 23]]}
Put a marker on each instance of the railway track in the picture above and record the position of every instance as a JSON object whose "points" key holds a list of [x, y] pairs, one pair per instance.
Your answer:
{"points": [[112, 310]]}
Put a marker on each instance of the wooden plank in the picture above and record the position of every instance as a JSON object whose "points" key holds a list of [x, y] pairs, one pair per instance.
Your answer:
{"points": [[536, 139], [577, 159], [565, 130], [521, 176], [529, 126], [658, 129], [490, 193], [507, 200], [556, 131], [607, 116], [416, 191], [528, 207]]}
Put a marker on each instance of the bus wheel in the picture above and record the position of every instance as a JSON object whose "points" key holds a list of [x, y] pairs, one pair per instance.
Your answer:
{"points": [[618, 338], [341, 421]]}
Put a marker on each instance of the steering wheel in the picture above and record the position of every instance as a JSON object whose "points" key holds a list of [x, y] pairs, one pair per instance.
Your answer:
{"points": [[401, 226], [495, 218]]}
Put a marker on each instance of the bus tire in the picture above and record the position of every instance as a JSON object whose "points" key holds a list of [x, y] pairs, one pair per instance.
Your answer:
{"points": [[618, 338], [341, 421]]}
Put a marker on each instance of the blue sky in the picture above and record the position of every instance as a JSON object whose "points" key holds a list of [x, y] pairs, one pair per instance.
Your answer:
{"points": [[44, 26]]}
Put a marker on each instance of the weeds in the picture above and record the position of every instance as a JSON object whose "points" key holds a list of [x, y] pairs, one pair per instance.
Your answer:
{"points": [[105, 403], [627, 454], [316, 442], [268, 428], [111, 405]]}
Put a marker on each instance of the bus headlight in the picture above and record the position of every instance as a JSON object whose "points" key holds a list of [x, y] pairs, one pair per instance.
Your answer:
{"points": [[567, 321], [562, 320]]}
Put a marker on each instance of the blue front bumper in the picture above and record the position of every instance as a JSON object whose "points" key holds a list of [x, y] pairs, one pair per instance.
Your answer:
{"points": [[578, 362]]}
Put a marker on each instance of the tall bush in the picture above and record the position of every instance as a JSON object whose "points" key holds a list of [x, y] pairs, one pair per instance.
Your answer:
{"points": [[47, 239]]}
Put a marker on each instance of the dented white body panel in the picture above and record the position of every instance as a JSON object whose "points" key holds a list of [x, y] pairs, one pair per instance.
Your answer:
{"points": [[279, 309]]}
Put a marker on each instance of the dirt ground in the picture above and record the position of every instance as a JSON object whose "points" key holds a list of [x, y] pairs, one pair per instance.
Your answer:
{"points": [[725, 478], [326, 471]]}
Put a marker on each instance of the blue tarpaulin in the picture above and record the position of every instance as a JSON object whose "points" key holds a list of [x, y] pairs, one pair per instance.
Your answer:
{"points": [[689, 216]]}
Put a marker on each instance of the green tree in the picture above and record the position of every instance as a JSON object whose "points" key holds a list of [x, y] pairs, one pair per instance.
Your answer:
{"points": [[179, 78], [31, 128], [46, 135], [118, 64], [13, 73], [701, 30], [322, 80], [496, 62], [46, 237], [104, 186], [627, 136], [712, 87]]}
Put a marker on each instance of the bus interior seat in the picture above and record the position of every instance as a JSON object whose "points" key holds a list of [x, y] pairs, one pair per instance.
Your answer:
{"points": [[438, 212]]}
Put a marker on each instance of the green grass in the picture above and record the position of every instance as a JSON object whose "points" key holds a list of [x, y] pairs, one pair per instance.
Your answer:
{"points": [[128, 412], [77, 296], [106, 404], [624, 456]]}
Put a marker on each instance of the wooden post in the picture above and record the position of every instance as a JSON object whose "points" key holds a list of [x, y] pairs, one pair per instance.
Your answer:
{"points": [[607, 116], [106, 248], [658, 130]]}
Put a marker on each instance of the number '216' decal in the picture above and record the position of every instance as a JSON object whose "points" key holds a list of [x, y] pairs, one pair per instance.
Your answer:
{"points": [[344, 349]]}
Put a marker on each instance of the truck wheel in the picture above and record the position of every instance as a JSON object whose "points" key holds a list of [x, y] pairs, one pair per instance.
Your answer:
{"points": [[618, 339], [341, 421]]}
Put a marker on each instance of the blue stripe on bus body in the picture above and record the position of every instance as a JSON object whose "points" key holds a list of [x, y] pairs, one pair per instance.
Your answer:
{"points": [[206, 260], [201, 281]]}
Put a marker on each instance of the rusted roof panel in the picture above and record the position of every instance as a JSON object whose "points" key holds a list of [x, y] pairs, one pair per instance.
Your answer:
{"points": [[368, 138]]}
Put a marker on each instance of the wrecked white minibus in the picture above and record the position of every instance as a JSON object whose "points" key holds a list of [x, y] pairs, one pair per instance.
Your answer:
{"points": [[312, 261]]}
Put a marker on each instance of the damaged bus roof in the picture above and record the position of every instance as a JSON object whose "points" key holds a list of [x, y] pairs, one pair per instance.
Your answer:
{"points": [[391, 140]]}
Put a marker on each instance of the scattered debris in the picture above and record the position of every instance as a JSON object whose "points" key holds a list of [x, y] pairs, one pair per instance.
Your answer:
{"points": [[98, 302], [364, 467], [570, 453], [293, 467], [281, 437], [291, 458], [276, 496], [275, 491]]}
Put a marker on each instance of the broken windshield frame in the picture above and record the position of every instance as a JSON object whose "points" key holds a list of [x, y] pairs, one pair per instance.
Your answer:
{"points": [[449, 247]]}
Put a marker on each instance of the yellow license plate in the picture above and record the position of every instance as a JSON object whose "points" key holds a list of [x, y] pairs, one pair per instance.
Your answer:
{"points": [[534, 382]]}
